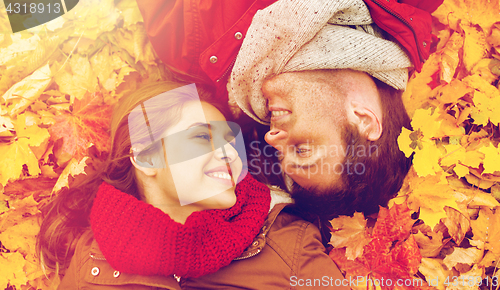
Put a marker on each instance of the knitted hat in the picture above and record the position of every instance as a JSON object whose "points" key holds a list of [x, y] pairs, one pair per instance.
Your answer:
{"points": [[298, 35]]}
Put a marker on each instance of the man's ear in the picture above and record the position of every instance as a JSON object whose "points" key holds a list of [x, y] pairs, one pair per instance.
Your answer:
{"points": [[369, 123]]}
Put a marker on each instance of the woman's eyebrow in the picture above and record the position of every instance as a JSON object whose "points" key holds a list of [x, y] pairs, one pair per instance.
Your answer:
{"points": [[200, 124]]}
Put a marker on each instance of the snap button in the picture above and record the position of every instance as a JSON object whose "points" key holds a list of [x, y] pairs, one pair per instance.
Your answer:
{"points": [[255, 243], [213, 59], [116, 274], [424, 44], [95, 271], [238, 35]]}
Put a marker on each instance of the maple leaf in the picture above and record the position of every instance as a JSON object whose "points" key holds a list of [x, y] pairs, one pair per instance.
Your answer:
{"points": [[465, 256], [475, 47], [485, 228], [392, 252], [86, 125], [11, 267], [76, 78], [483, 13], [435, 272], [430, 246], [22, 94], [19, 153], [457, 223], [350, 232]]}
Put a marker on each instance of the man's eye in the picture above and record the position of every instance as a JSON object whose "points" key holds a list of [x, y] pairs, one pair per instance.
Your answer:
{"points": [[303, 152]]}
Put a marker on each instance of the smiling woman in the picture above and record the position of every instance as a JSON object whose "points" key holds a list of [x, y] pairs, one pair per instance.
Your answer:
{"points": [[163, 167]]}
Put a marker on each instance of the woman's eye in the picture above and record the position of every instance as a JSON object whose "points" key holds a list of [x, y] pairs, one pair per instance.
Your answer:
{"points": [[203, 136]]}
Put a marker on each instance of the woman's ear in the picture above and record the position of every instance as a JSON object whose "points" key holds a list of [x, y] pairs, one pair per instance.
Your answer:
{"points": [[145, 166], [366, 120], [146, 170]]}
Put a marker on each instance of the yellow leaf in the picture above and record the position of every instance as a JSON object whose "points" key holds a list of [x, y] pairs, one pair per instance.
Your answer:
{"points": [[475, 47], [435, 272], [453, 91], [485, 228], [467, 256], [426, 160], [461, 170], [473, 158], [25, 92], [431, 196], [417, 91], [21, 237], [130, 12], [11, 267], [466, 281], [491, 161], [404, 142], [73, 168], [426, 121], [19, 153], [77, 79], [454, 154], [483, 13], [450, 58]]}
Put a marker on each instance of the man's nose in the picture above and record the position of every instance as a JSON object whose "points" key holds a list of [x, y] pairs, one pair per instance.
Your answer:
{"points": [[275, 138]]}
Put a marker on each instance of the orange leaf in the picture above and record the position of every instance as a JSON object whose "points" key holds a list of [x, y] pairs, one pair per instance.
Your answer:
{"points": [[86, 125], [350, 232]]}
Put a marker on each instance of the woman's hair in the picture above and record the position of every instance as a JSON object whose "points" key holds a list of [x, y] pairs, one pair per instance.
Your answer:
{"points": [[67, 215]]}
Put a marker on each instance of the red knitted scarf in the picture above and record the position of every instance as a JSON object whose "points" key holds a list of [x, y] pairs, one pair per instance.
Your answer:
{"points": [[136, 237]]}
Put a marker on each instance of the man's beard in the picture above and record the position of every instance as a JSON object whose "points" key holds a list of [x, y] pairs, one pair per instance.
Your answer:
{"points": [[328, 203]]}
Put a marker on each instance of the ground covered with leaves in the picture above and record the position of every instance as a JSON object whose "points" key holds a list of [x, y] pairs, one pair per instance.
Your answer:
{"points": [[58, 81]]}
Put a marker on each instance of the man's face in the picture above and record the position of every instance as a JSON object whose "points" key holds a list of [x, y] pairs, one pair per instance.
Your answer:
{"points": [[308, 111]]}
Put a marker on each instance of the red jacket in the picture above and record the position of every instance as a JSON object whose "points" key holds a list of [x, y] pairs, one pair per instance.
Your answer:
{"points": [[201, 38]]}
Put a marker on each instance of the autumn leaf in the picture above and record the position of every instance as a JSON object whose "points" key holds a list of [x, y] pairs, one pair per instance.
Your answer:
{"points": [[483, 13], [22, 94], [86, 125], [76, 78], [11, 267], [350, 232], [467, 256], [392, 252], [435, 272], [430, 246], [19, 153], [485, 228]]}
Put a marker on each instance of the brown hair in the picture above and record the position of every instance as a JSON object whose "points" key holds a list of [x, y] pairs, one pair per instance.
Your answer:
{"points": [[384, 166], [67, 215]]}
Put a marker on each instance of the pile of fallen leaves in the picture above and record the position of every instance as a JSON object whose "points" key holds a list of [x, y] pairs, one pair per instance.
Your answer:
{"points": [[58, 81], [443, 228]]}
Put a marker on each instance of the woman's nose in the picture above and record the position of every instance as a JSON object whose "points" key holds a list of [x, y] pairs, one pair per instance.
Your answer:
{"points": [[226, 153], [275, 138]]}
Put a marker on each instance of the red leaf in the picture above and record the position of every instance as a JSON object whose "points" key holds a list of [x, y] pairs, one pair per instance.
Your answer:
{"points": [[87, 124], [392, 253]]}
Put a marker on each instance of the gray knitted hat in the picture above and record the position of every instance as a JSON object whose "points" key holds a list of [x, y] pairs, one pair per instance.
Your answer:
{"points": [[298, 35]]}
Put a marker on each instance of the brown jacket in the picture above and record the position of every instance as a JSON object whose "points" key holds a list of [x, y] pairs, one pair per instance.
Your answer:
{"points": [[286, 254]]}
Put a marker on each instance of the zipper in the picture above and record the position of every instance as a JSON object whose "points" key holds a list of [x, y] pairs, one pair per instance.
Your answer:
{"points": [[406, 23], [228, 69], [93, 256], [246, 257]]}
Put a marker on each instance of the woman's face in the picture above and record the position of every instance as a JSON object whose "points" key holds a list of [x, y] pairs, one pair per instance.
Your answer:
{"points": [[202, 164]]}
